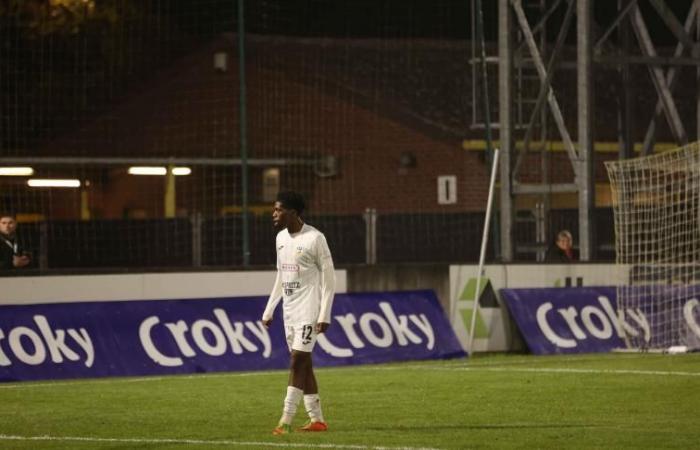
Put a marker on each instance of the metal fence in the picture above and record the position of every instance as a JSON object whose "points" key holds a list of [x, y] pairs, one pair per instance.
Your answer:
{"points": [[184, 243]]}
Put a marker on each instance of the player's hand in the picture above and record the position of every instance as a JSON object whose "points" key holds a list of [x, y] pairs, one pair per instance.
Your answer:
{"points": [[321, 327], [266, 323]]}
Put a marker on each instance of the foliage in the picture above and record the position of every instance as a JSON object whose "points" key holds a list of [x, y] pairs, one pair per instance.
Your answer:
{"points": [[45, 17]]}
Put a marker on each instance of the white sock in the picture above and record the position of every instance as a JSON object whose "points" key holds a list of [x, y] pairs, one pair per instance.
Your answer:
{"points": [[290, 404], [312, 402]]}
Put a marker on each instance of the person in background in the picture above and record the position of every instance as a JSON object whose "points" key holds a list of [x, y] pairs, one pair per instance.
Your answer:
{"points": [[12, 255], [562, 251]]}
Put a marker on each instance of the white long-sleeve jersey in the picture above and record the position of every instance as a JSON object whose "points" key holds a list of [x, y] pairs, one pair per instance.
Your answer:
{"points": [[305, 278]]}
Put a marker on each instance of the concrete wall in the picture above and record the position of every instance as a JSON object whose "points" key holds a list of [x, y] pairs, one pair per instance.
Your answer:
{"points": [[402, 277], [144, 286]]}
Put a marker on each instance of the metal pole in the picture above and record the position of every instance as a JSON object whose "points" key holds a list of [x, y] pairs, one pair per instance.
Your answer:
{"points": [[505, 93], [585, 129], [627, 148], [44, 246], [196, 221], [370, 217], [545, 87], [658, 78], [482, 253], [696, 5], [169, 201], [555, 110], [484, 76], [671, 77], [485, 88], [99, 161], [84, 204], [243, 136]]}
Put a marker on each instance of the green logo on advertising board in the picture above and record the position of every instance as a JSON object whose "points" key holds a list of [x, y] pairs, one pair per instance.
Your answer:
{"points": [[487, 299]]}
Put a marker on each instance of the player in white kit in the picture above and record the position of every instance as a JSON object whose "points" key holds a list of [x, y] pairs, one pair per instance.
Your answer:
{"points": [[306, 283]]}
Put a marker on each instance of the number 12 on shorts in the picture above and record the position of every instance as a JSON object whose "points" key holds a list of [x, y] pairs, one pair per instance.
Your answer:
{"points": [[306, 332]]}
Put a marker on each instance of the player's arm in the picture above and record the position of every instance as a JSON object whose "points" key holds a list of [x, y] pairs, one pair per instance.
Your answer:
{"points": [[327, 287], [273, 300]]}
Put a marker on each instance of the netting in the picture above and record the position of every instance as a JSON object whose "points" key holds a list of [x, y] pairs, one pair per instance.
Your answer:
{"points": [[355, 114], [656, 202]]}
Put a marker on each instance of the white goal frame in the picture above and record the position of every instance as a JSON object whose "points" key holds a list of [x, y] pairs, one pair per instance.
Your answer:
{"points": [[656, 203]]}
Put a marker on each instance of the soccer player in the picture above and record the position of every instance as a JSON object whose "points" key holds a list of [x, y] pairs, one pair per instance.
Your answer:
{"points": [[306, 282]]}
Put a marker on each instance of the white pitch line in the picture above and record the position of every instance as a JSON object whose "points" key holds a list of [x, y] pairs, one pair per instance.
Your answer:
{"points": [[5, 437], [559, 359], [596, 371], [107, 380], [546, 370], [451, 367]]}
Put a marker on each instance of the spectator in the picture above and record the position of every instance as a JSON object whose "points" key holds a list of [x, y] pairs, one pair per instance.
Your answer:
{"points": [[12, 255], [562, 251]]}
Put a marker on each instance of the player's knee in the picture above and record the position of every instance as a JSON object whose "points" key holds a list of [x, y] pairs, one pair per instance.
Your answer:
{"points": [[300, 361]]}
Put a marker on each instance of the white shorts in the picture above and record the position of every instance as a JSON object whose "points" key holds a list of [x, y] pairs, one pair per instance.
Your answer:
{"points": [[301, 337]]}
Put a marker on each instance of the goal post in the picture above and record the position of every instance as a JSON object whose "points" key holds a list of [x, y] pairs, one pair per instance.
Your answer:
{"points": [[656, 204]]}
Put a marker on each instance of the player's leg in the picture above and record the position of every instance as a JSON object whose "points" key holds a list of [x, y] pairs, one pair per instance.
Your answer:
{"points": [[312, 403], [295, 386], [300, 345]]}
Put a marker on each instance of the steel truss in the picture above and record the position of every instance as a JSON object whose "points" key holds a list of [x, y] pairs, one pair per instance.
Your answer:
{"points": [[521, 47]]}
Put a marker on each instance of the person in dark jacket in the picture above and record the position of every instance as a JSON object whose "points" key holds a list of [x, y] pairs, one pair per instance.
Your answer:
{"points": [[562, 251], [12, 255]]}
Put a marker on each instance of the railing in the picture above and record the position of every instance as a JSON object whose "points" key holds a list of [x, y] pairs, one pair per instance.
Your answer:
{"points": [[201, 242]]}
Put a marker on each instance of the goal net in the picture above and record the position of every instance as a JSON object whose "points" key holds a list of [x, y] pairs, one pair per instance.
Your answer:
{"points": [[656, 203]]}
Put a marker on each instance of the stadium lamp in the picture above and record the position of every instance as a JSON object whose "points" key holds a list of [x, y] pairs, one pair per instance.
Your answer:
{"points": [[181, 171], [65, 183], [16, 171], [147, 170], [158, 170]]}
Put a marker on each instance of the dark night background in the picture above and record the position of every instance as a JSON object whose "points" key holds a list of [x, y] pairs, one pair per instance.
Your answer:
{"points": [[66, 63], [110, 45]]}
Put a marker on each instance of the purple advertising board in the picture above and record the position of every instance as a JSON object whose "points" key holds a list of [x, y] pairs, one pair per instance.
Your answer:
{"points": [[589, 319], [154, 337], [566, 320]]}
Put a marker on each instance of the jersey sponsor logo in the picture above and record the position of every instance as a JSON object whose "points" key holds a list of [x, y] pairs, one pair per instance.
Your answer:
{"points": [[290, 286], [300, 249], [290, 267]]}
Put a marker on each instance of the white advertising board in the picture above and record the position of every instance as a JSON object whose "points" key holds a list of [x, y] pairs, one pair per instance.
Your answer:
{"points": [[494, 330], [144, 286]]}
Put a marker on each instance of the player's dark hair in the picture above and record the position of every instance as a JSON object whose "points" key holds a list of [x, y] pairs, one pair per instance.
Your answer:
{"points": [[292, 200], [7, 214]]}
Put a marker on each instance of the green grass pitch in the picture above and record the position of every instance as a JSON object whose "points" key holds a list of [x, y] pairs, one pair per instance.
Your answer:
{"points": [[494, 401]]}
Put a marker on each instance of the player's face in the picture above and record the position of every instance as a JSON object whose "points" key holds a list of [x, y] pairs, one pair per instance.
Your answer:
{"points": [[7, 226], [281, 217]]}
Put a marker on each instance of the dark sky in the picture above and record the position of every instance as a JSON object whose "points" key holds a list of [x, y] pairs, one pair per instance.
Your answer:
{"points": [[412, 18]]}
